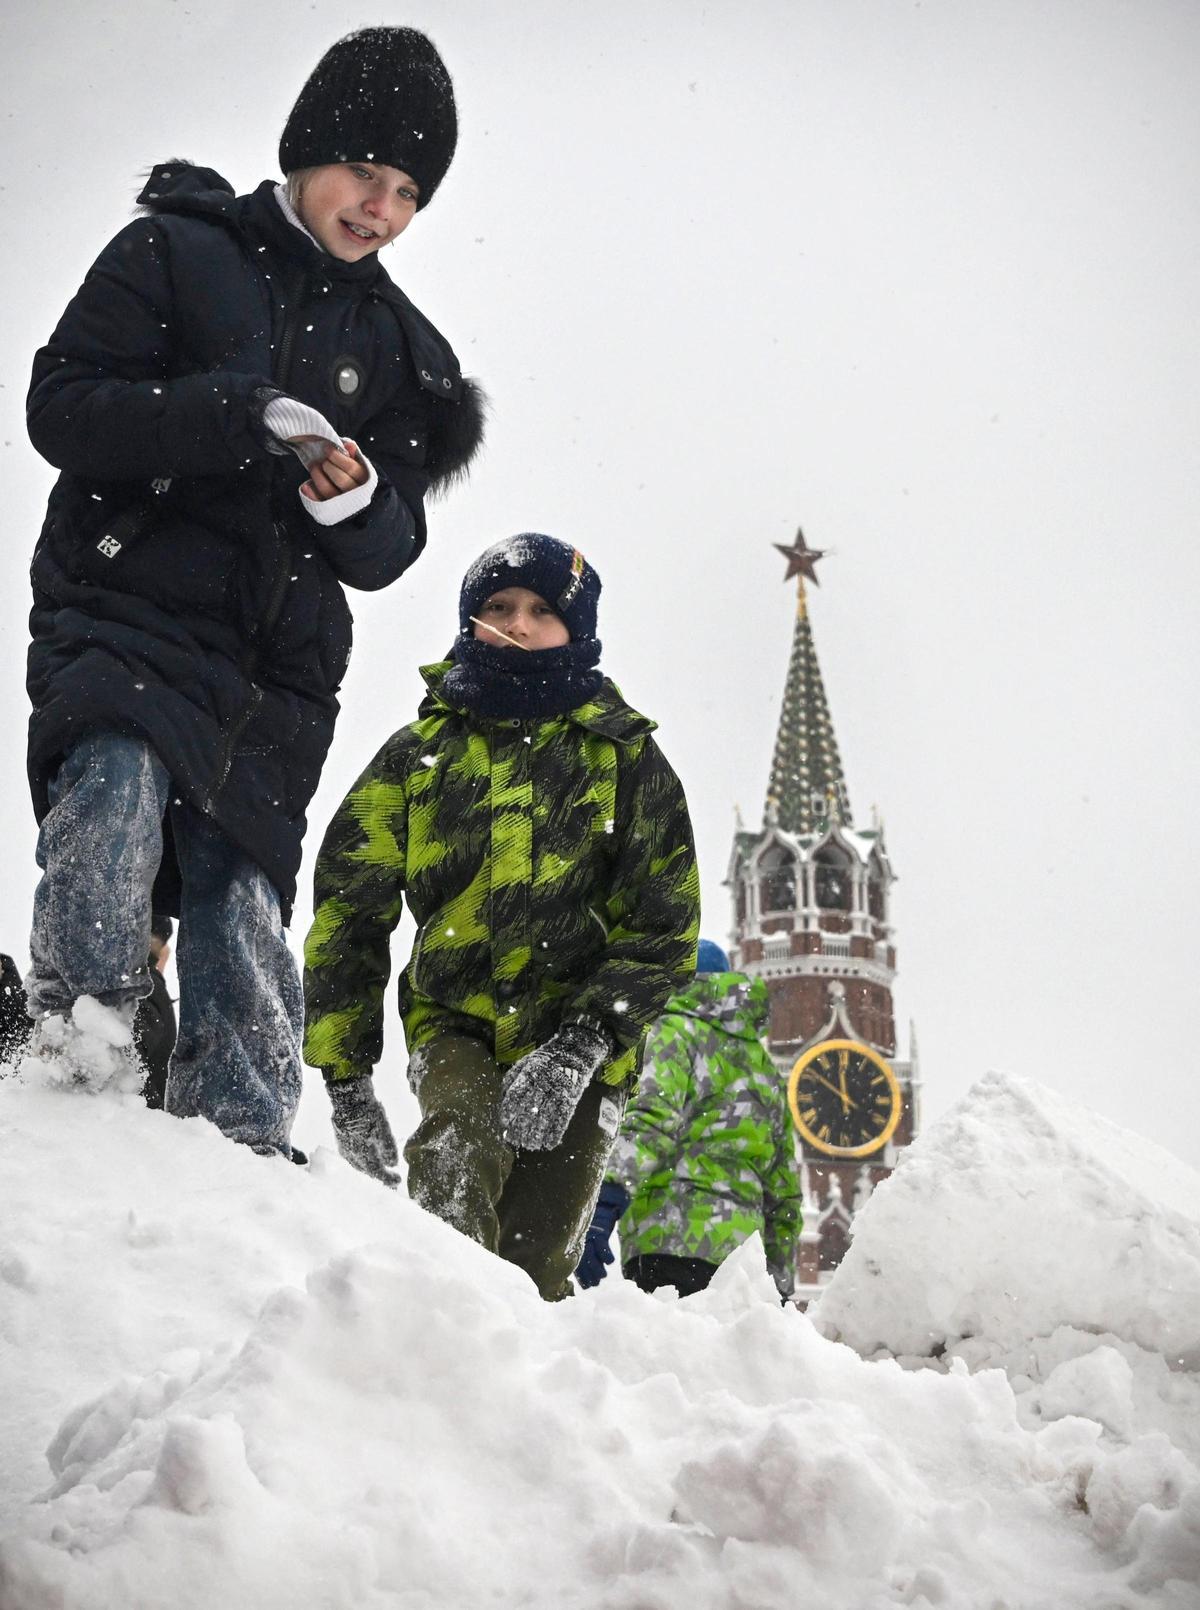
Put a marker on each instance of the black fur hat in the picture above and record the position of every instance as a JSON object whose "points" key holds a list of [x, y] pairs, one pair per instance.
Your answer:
{"points": [[378, 95]]}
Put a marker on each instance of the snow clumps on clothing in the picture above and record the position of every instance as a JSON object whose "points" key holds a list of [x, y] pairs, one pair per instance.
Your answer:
{"points": [[91, 1046]]}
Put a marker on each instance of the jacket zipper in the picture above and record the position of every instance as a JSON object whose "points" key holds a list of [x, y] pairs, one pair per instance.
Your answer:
{"points": [[245, 715], [295, 304], [232, 735]]}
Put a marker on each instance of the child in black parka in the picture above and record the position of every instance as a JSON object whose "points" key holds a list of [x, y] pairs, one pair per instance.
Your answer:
{"points": [[247, 414]]}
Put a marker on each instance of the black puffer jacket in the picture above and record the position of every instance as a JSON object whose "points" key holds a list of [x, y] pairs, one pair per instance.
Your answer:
{"points": [[181, 591]]}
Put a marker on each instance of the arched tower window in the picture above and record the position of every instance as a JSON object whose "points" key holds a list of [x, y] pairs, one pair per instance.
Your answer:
{"points": [[834, 878], [777, 880], [876, 890]]}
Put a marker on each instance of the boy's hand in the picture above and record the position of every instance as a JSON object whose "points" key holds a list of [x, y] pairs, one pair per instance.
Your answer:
{"points": [[542, 1090], [341, 471], [360, 1126]]}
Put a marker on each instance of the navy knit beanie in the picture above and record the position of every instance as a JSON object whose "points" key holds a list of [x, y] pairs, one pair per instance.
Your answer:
{"points": [[710, 958], [378, 95], [554, 570]]}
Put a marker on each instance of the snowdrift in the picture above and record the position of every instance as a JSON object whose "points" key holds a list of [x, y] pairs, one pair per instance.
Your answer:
{"points": [[230, 1382], [1019, 1213]]}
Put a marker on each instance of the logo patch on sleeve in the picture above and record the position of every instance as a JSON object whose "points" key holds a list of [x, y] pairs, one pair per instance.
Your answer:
{"points": [[610, 1117]]}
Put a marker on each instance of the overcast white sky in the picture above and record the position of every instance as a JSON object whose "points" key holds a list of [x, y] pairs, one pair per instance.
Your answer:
{"points": [[919, 277]]}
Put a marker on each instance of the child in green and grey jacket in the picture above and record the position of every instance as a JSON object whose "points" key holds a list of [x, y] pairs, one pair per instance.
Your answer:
{"points": [[706, 1155], [544, 847]]}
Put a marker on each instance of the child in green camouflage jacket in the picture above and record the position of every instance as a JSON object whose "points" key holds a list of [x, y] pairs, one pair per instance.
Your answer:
{"points": [[706, 1155], [544, 847]]}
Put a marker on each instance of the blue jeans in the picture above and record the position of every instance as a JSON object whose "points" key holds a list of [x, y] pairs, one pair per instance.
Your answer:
{"points": [[237, 1056]]}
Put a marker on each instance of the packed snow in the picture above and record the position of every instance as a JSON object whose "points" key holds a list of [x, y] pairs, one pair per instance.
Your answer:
{"points": [[228, 1381], [1017, 1214]]}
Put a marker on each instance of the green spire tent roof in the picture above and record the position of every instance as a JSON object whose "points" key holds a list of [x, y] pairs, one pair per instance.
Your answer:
{"points": [[807, 791]]}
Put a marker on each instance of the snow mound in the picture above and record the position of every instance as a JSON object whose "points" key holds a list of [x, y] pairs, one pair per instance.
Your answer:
{"points": [[1015, 1215], [1024, 1235], [270, 1388]]}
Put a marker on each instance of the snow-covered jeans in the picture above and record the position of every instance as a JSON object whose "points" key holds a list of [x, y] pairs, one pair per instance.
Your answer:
{"points": [[237, 1057]]}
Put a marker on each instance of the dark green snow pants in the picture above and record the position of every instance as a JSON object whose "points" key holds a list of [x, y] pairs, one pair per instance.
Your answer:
{"points": [[532, 1208]]}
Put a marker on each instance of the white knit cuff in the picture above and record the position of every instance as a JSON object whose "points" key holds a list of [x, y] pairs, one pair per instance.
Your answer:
{"points": [[286, 418], [333, 510]]}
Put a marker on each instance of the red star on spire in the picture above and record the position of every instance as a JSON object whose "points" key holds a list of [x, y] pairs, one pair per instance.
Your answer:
{"points": [[801, 558]]}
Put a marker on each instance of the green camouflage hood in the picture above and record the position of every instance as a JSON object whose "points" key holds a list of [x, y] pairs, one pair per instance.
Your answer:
{"points": [[735, 1002]]}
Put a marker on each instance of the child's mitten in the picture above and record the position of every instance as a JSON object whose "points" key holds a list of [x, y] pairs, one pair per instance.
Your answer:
{"points": [[360, 1125], [542, 1090]]}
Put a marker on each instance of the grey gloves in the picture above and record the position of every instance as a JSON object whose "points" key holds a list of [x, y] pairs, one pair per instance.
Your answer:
{"points": [[360, 1125], [542, 1090]]}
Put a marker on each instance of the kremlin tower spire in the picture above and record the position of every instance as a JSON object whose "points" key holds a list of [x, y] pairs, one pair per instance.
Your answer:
{"points": [[807, 790], [811, 908]]}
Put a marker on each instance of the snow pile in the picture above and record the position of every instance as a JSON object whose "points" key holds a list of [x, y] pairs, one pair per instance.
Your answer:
{"points": [[1026, 1235], [1018, 1213], [288, 1389]]}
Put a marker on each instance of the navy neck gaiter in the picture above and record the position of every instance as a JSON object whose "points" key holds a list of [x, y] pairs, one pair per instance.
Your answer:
{"points": [[523, 684]]}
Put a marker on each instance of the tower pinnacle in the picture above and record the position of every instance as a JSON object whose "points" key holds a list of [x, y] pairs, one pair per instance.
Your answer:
{"points": [[802, 560], [807, 790]]}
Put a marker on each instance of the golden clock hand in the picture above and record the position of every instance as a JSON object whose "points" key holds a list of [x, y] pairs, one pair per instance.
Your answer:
{"points": [[843, 1063], [829, 1085]]}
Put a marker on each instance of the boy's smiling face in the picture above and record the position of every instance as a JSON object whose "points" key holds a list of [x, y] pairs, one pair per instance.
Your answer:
{"points": [[523, 616], [354, 208]]}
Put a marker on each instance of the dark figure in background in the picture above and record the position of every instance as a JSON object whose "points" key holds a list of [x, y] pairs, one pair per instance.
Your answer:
{"points": [[154, 1024], [15, 1024]]}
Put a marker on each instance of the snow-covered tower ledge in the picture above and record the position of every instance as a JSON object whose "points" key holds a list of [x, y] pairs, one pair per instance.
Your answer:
{"points": [[811, 916]]}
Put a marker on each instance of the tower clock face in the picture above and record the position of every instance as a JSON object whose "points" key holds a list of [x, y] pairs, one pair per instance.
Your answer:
{"points": [[844, 1098]]}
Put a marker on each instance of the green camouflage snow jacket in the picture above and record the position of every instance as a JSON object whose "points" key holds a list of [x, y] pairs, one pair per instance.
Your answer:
{"points": [[548, 865], [705, 1149]]}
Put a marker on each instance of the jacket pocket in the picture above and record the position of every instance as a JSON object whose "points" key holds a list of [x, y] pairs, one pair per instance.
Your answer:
{"points": [[101, 554]]}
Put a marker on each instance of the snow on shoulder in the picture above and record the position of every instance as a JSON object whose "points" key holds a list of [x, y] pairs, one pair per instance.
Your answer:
{"points": [[270, 1388]]}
